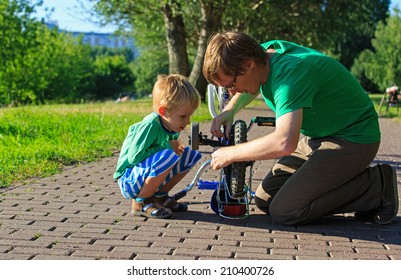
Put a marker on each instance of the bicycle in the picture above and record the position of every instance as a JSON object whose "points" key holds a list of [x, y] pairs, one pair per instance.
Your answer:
{"points": [[232, 194]]}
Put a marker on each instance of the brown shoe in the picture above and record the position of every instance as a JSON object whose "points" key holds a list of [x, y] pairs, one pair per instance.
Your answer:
{"points": [[170, 203], [389, 200], [149, 208]]}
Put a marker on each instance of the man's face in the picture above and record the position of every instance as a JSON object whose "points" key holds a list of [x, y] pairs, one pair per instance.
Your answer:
{"points": [[248, 82]]}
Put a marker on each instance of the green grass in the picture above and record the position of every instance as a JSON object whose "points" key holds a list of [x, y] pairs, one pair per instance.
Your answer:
{"points": [[392, 111], [38, 141]]}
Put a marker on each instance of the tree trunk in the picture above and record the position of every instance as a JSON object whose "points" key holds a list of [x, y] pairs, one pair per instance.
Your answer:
{"points": [[211, 18], [176, 42]]}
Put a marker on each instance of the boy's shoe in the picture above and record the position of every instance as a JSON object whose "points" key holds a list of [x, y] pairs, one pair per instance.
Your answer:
{"points": [[151, 209], [170, 203], [389, 197]]}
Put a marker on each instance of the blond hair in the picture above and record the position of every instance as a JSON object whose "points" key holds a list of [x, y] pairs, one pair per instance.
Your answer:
{"points": [[172, 91], [228, 53]]}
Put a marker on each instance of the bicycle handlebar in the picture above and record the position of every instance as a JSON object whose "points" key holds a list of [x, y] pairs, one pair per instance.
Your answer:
{"points": [[264, 121]]}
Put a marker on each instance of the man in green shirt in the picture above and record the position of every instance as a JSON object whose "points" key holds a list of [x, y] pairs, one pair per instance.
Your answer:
{"points": [[327, 131]]}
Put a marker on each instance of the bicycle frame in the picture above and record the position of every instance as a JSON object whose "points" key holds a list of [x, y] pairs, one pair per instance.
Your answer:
{"points": [[223, 202]]}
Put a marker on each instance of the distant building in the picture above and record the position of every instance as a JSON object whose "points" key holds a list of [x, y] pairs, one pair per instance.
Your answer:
{"points": [[101, 39], [52, 24]]}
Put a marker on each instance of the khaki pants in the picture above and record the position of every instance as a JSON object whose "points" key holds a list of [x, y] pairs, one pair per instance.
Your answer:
{"points": [[323, 176]]}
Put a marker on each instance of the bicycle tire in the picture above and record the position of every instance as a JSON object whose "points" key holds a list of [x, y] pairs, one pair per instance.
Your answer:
{"points": [[194, 138], [238, 169]]}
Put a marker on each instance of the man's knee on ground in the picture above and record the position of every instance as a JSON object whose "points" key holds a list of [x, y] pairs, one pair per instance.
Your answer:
{"points": [[262, 204], [284, 214], [262, 199]]}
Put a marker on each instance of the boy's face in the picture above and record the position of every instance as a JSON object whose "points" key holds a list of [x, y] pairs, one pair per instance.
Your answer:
{"points": [[178, 119]]}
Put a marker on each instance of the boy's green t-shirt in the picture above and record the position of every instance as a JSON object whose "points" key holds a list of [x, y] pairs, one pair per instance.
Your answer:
{"points": [[144, 139], [334, 103]]}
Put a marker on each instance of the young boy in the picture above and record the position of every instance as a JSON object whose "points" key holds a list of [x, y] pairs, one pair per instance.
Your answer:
{"points": [[152, 159]]}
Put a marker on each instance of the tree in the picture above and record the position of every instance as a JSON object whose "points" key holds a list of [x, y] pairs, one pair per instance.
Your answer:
{"points": [[144, 18], [382, 65], [38, 64], [150, 63], [342, 28], [112, 76], [326, 25], [357, 29], [17, 42], [68, 69]]}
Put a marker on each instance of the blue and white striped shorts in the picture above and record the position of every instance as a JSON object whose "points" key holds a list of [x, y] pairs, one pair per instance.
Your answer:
{"points": [[132, 180]]}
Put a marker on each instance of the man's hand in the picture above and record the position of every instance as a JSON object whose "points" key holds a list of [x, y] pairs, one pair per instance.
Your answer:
{"points": [[224, 119], [220, 158]]}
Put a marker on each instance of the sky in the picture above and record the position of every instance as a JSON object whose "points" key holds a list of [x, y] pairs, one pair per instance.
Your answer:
{"points": [[69, 19], [396, 3]]}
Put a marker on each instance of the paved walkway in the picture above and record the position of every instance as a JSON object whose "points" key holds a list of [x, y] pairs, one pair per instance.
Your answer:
{"points": [[80, 214]]}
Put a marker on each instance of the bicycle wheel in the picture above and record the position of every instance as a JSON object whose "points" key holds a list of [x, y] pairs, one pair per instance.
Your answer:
{"points": [[194, 138], [238, 169]]}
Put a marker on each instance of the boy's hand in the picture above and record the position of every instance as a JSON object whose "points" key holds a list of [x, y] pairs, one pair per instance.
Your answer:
{"points": [[177, 146]]}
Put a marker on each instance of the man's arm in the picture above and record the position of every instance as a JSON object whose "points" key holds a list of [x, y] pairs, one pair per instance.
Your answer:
{"points": [[283, 141]]}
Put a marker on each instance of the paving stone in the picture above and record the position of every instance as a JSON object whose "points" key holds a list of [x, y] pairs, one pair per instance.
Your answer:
{"points": [[80, 214]]}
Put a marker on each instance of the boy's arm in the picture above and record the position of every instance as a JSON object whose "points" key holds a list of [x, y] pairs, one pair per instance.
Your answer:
{"points": [[144, 143], [137, 146]]}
